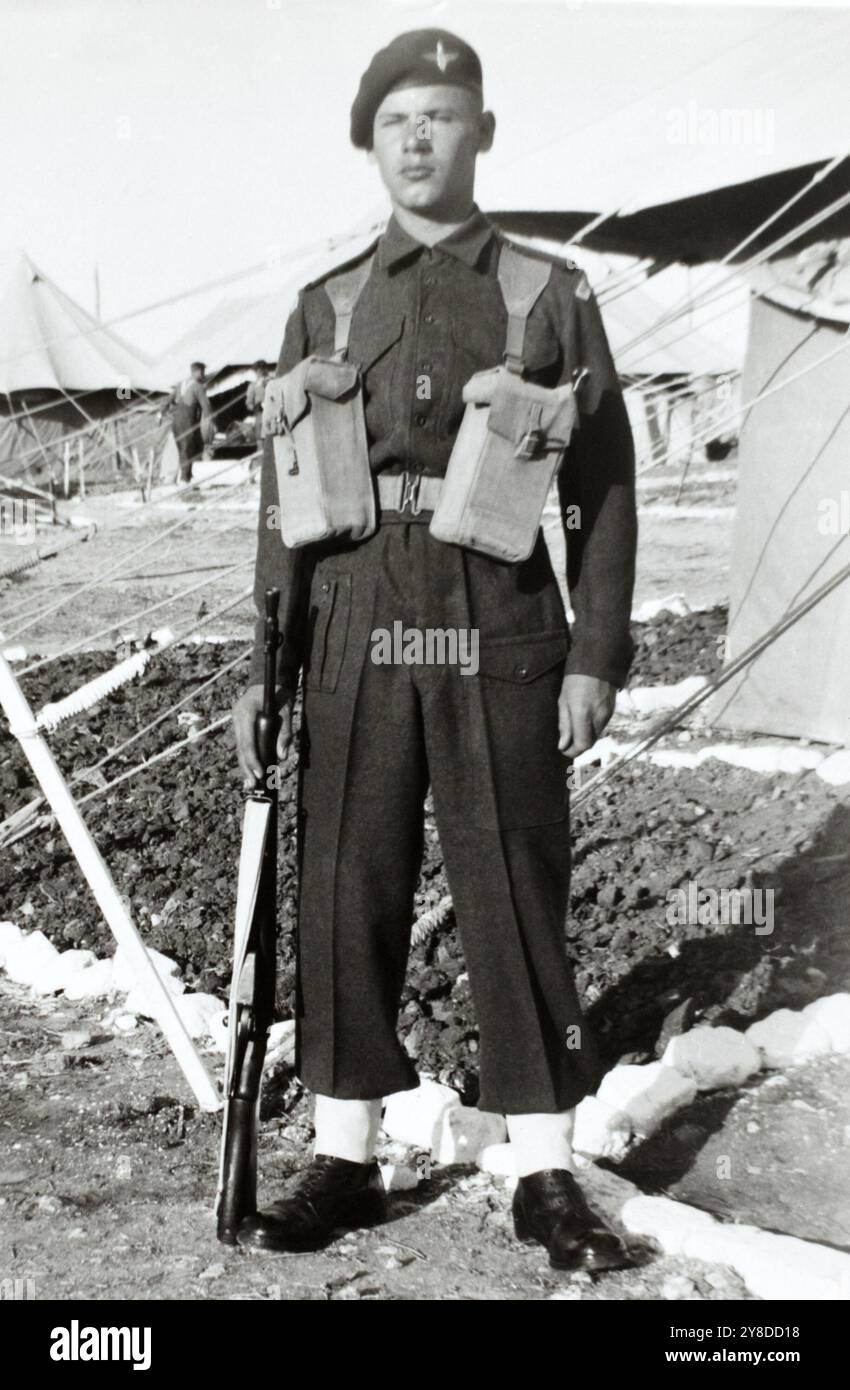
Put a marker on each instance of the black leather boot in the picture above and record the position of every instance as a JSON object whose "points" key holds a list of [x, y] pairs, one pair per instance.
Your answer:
{"points": [[332, 1192], [549, 1207]]}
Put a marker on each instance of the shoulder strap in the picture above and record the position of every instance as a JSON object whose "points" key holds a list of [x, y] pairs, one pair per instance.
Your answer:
{"points": [[343, 290], [522, 280]]}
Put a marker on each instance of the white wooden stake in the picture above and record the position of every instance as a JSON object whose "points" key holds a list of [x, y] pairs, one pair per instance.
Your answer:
{"points": [[22, 724], [66, 461]]}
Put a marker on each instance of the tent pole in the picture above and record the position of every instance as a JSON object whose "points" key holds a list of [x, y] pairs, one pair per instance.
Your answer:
{"points": [[22, 724]]}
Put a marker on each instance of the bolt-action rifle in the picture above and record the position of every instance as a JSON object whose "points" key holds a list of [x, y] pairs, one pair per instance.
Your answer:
{"points": [[252, 990]]}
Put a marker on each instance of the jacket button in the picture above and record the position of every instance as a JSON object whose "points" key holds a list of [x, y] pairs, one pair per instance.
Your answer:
{"points": [[521, 671], [326, 588]]}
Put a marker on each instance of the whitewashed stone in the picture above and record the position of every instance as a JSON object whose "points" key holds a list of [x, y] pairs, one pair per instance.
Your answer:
{"points": [[600, 1131], [649, 699], [138, 1000], [497, 1159], [28, 962], [464, 1132], [773, 1266], [785, 1037], [646, 1094], [670, 1223], [94, 982], [61, 972], [10, 938], [671, 757], [126, 975], [125, 1023], [833, 1015], [76, 1038], [195, 1011], [217, 1030], [712, 1057], [398, 1177], [766, 758], [281, 1043], [651, 607], [836, 769], [416, 1117]]}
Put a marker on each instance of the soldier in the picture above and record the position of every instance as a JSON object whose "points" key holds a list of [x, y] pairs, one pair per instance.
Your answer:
{"points": [[254, 396], [192, 419], [421, 311]]}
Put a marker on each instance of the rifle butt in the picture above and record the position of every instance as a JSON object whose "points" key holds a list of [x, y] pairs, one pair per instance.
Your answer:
{"points": [[238, 1197]]}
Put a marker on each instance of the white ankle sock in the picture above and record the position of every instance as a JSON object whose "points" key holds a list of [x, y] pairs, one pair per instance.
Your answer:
{"points": [[541, 1141], [347, 1128]]}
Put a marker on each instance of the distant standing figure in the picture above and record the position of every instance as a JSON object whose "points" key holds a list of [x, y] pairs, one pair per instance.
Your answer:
{"points": [[192, 419], [254, 397]]}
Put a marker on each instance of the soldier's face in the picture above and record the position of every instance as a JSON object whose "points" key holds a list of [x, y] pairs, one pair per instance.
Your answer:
{"points": [[425, 143]]}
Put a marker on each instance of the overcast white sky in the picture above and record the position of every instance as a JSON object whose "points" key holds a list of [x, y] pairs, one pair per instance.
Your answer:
{"points": [[173, 141]]}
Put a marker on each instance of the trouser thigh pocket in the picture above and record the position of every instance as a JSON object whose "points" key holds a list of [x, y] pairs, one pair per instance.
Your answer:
{"points": [[520, 684]]}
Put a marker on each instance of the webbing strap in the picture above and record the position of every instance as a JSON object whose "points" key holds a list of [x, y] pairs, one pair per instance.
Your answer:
{"points": [[522, 280], [343, 291]]}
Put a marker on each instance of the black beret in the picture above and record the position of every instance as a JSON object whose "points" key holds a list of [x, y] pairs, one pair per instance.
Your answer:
{"points": [[418, 58]]}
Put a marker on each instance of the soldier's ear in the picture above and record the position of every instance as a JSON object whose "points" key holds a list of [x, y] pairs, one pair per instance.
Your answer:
{"points": [[487, 131]]}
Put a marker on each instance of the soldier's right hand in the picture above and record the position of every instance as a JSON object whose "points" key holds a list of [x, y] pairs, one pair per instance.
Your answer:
{"points": [[245, 712]]}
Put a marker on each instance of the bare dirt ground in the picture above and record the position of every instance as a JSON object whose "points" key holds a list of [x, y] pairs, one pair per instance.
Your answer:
{"points": [[106, 1186], [107, 1174]]}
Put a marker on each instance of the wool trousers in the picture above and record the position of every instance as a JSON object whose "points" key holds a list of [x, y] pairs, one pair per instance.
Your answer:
{"points": [[375, 736]]}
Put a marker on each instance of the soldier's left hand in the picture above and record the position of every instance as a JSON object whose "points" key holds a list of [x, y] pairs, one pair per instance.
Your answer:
{"points": [[584, 708]]}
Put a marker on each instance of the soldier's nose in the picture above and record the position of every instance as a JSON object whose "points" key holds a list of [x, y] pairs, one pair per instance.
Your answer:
{"points": [[417, 134]]}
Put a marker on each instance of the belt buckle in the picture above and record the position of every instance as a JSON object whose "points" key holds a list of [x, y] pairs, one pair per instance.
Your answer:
{"points": [[410, 492]]}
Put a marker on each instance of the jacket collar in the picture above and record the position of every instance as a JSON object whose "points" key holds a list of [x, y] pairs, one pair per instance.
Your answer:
{"points": [[465, 243]]}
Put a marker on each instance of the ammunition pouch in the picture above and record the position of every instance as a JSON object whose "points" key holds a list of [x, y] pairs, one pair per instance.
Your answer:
{"points": [[315, 417], [507, 452]]}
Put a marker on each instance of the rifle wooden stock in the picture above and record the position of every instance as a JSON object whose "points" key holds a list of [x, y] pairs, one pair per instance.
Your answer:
{"points": [[252, 995]]}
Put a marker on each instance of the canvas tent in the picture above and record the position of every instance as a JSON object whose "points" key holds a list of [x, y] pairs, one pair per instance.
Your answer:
{"points": [[66, 380], [793, 510], [687, 168]]}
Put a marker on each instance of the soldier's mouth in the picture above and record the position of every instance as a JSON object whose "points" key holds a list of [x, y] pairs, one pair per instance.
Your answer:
{"points": [[416, 172]]}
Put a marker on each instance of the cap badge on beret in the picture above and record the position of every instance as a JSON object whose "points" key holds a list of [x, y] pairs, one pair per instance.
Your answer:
{"points": [[442, 56]]}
